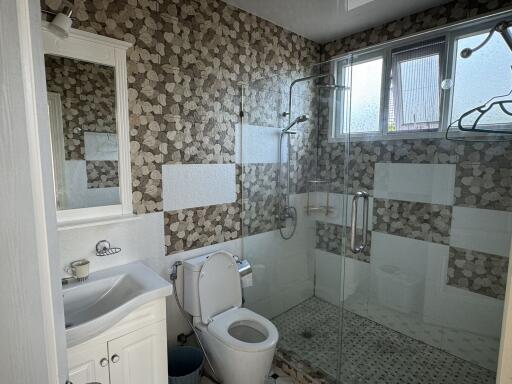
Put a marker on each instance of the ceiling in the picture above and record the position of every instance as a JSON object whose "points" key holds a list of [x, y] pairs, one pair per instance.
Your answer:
{"points": [[326, 20]]}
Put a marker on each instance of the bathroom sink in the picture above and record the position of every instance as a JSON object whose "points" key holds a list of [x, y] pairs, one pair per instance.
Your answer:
{"points": [[93, 306]]}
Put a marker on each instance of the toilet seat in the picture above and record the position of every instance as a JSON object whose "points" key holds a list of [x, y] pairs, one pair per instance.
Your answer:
{"points": [[221, 325], [219, 285]]}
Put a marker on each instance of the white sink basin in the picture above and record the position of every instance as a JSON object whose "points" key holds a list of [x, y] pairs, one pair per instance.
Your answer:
{"points": [[93, 306]]}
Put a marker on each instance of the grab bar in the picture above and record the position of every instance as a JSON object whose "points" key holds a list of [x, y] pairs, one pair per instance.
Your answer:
{"points": [[353, 227]]}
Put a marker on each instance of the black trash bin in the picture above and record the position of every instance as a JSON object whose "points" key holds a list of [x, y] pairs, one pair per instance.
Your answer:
{"points": [[185, 365]]}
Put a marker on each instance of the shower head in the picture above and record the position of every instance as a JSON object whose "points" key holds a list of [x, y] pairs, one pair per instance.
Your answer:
{"points": [[298, 119]]}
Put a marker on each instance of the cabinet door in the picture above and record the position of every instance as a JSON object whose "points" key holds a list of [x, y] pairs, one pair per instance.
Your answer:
{"points": [[140, 357], [88, 363]]}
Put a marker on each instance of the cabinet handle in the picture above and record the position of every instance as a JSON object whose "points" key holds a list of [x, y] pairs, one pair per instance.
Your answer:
{"points": [[104, 362], [115, 358]]}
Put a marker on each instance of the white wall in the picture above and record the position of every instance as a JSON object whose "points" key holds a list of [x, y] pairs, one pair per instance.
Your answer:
{"points": [[32, 321], [283, 270], [140, 239]]}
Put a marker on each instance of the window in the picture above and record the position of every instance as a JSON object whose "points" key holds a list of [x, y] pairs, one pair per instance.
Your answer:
{"points": [[473, 84], [415, 91], [359, 110], [420, 87]]}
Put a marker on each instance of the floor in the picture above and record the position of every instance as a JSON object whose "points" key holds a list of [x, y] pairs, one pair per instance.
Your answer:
{"points": [[371, 353], [277, 376]]}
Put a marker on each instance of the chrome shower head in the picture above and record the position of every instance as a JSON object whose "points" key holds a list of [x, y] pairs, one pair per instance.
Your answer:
{"points": [[466, 52], [302, 118], [298, 119]]}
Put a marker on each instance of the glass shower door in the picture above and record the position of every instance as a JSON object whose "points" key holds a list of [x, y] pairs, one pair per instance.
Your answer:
{"points": [[294, 251], [425, 253]]}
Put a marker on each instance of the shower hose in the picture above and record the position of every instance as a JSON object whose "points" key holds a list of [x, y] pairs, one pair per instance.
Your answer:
{"points": [[173, 277]]}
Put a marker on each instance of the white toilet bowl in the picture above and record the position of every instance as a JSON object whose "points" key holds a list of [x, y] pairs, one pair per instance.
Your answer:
{"points": [[239, 342]]}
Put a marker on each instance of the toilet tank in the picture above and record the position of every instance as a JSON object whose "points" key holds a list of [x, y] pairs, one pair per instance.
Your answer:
{"points": [[191, 270]]}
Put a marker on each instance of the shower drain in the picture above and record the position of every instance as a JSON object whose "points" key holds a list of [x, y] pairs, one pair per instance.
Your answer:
{"points": [[307, 333]]}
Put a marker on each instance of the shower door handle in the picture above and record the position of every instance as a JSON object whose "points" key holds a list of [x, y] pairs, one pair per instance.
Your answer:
{"points": [[353, 225]]}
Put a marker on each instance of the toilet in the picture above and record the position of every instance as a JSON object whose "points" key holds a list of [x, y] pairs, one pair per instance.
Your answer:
{"points": [[239, 342]]}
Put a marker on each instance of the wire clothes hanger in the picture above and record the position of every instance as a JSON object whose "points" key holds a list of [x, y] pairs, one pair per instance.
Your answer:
{"points": [[505, 106]]}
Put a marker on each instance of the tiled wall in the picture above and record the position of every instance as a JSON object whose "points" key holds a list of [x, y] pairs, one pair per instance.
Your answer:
{"points": [[102, 173], [434, 17], [185, 71], [440, 221]]}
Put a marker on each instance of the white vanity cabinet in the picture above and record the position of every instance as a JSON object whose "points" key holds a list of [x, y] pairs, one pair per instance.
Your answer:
{"points": [[134, 351], [88, 363]]}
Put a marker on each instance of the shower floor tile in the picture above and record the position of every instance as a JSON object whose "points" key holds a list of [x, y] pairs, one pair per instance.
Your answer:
{"points": [[371, 353]]}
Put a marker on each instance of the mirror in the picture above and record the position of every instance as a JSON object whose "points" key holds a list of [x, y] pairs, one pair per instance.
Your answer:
{"points": [[87, 80], [82, 114]]}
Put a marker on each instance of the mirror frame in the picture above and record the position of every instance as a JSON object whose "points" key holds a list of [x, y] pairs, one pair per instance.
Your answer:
{"points": [[93, 48]]}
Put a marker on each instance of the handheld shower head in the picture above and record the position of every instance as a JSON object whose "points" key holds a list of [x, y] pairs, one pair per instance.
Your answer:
{"points": [[298, 119]]}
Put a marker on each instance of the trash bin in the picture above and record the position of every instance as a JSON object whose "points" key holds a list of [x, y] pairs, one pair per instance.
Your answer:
{"points": [[185, 365]]}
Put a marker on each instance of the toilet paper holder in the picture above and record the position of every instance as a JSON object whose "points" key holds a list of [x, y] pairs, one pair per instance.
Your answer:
{"points": [[244, 267]]}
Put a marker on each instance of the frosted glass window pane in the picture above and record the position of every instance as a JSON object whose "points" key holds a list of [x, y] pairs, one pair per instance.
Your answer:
{"points": [[486, 74], [420, 92], [365, 96], [414, 95]]}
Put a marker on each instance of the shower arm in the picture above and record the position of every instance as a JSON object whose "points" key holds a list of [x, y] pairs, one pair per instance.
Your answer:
{"points": [[307, 78], [289, 114]]}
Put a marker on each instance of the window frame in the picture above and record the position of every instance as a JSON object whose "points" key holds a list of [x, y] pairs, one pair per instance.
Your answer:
{"points": [[451, 34], [336, 114], [394, 68]]}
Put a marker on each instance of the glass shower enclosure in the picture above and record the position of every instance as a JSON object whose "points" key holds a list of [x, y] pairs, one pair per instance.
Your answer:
{"points": [[379, 258]]}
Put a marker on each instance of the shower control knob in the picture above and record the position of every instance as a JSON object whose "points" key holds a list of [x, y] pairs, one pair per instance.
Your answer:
{"points": [[115, 359]]}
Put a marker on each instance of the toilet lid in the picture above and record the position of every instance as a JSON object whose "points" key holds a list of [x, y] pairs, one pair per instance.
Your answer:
{"points": [[219, 285]]}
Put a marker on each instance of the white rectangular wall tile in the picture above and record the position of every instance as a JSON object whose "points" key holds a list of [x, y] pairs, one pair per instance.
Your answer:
{"points": [[400, 269], [100, 146], [462, 310], [197, 185], [75, 184], [481, 230], [139, 239], [426, 183], [283, 270], [337, 202], [330, 279], [328, 272], [256, 144], [409, 255], [99, 197]]}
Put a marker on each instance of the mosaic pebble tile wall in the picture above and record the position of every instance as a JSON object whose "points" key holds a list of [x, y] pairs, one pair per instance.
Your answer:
{"points": [[483, 181], [185, 70], [483, 172], [102, 173], [434, 17]]}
